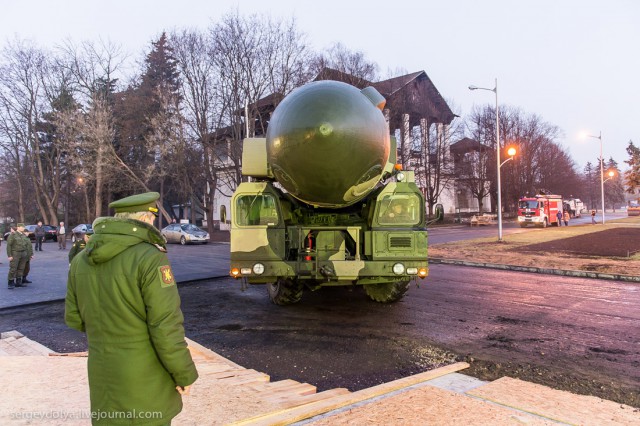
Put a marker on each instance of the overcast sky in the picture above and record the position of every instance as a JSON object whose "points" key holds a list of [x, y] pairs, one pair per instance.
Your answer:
{"points": [[575, 63]]}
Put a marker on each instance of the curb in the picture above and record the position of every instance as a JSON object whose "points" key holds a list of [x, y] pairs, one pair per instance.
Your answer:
{"points": [[536, 270]]}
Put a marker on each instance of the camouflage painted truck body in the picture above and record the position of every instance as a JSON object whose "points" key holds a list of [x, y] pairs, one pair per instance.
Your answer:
{"points": [[327, 206]]}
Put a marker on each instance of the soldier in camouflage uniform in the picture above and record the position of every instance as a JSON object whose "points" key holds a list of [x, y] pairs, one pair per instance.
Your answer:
{"points": [[19, 251], [79, 245]]}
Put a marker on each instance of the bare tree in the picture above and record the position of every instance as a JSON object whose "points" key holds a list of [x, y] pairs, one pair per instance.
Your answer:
{"points": [[94, 67], [253, 57], [540, 162], [23, 77], [434, 166], [203, 114], [354, 64]]}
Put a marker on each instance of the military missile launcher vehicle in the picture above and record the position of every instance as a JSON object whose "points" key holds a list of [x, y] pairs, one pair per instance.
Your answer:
{"points": [[326, 204]]}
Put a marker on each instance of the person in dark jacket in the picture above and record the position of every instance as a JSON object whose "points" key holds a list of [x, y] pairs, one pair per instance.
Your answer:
{"points": [[122, 293], [39, 233]]}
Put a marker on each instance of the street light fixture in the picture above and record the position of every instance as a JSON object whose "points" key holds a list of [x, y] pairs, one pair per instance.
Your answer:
{"points": [[601, 171], [512, 152], [611, 174], [498, 164]]}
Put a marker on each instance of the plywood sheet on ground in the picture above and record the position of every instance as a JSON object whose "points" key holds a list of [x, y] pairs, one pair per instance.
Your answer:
{"points": [[555, 404], [44, 390], [429, 405]]}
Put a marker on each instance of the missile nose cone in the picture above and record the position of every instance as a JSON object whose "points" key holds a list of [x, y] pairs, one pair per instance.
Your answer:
{"points": [[328, 143]]}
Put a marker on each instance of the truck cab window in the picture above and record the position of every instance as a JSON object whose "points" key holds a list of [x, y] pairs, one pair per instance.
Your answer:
{"points": [[399, 209], [256, 210]]}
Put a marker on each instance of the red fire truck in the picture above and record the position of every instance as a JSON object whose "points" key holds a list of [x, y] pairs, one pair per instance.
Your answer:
{"points": [[540, 210]]}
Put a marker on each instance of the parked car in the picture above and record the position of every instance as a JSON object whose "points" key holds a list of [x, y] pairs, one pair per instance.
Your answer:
{"points": [[28, 231], [50, 233], [86, 228], [184, 233]]}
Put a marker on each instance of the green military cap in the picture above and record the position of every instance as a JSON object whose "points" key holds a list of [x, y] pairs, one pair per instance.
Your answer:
{"points": [[19, 225], [137, 203]]}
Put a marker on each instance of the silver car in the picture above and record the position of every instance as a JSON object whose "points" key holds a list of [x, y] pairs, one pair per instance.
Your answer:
{"points": [[184, 233], [84, 228]]}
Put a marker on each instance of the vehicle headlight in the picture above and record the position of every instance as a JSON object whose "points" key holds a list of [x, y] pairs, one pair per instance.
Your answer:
{"points": [[258, 268], [400, 177], [412, 271], [398, 269], [245, 271]]}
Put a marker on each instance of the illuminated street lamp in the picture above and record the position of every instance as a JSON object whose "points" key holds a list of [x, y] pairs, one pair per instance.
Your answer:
{"points": [[498, 164], [611, 174], [601, 172]]}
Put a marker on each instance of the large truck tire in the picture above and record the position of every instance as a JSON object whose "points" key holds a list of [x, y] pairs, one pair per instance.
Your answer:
{"points": [[285, 291], [387, 292]]}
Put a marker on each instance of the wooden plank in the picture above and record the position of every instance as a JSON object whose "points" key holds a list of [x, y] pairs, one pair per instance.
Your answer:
{"points": [[308, 399], [287, 416], [293, 390], [244, 379], [429, 405], [72, 354], [280, 384], [200, 351], [555, 404], [210, 368], [230, 373]]}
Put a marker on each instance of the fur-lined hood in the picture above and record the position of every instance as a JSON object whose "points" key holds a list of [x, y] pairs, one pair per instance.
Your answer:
{"points": [[113, 235]]}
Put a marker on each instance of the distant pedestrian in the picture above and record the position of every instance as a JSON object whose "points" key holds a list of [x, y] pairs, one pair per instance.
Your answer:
{"points": [[593, 217], [559, 216], [61, 232], [39, 233], [565, 216]]}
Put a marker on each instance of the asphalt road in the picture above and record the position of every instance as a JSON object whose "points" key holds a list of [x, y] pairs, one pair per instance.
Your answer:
{"points": [[580, 335]]}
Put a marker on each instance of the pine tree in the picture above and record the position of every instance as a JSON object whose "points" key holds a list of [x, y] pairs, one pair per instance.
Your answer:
{"points": [[614, 189], [632, 176]]}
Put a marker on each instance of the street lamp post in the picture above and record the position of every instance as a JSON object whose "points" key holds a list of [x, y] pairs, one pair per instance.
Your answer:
{"points": [[601, 172], [498, 165]]}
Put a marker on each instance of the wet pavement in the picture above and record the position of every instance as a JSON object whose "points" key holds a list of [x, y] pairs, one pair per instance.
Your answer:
{"points": [[49, 269]]}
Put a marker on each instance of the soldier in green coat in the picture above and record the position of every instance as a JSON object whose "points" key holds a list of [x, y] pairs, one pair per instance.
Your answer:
{"points": [[122, 293], [79, 245], [19, 251]]}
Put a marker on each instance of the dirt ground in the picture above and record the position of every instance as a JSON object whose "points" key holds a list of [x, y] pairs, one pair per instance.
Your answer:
{"points": [[617, 242], [613, 250]]}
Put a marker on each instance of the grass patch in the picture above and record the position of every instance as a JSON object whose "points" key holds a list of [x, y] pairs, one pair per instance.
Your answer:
{"points": [[513, 249]]}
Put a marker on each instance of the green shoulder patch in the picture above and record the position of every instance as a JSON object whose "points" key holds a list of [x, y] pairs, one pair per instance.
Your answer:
{"points": [[166, 276]]}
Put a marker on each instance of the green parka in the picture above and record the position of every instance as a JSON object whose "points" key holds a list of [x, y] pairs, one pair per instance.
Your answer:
{"points": [[17, 242], [122, 293]]}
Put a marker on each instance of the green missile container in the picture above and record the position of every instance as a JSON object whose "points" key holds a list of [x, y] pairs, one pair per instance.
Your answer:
{"points": [[328, 143]]}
